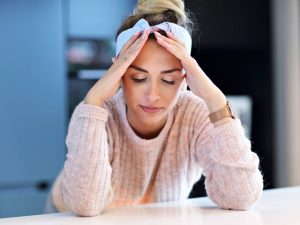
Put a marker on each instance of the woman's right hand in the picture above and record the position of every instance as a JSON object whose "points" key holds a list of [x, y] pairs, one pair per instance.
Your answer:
{"points": [[109, 83]]}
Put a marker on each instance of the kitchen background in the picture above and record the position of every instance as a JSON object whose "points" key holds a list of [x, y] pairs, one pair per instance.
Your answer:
{"points": [[53, 51]]}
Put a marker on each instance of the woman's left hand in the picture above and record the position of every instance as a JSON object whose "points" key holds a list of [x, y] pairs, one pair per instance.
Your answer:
{"points": [[196, 79]]}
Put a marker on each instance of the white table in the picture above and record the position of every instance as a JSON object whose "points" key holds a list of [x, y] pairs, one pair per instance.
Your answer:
{"points": [[277, 206]]}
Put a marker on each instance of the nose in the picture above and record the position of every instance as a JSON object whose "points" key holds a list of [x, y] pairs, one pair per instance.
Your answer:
{"points": [[152, 93]]}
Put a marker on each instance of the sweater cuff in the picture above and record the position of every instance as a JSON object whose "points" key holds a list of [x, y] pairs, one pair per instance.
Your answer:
{"points": [[227, 130], [91, 111]]}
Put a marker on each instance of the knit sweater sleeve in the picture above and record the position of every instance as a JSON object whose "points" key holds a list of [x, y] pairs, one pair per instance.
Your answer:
{"points": [[233, 180], [86, 176]]}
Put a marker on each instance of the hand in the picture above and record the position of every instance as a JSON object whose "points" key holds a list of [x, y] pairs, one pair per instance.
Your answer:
{"points": [[196, 79], [109, 83]]}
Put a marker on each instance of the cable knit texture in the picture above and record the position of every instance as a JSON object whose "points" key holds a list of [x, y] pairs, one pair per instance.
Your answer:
{"points": [[108, 165]]}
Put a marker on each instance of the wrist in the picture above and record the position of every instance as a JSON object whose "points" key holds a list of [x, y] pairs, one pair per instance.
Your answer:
{"points": [[222, 116], [118, 67], [216, 101], [223, 121], [91, 100]]}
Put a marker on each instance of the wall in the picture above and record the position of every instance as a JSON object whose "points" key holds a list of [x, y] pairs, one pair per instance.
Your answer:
{"points": [[286, 66], [33, 102]]}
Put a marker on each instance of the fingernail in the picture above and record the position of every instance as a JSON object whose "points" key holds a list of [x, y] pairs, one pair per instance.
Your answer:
{"points": [[138, 46], [169, 33], [144, 34]]}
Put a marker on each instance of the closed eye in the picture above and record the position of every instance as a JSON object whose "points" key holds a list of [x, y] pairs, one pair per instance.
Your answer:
{"points": [[171, 82], [138, 80]]}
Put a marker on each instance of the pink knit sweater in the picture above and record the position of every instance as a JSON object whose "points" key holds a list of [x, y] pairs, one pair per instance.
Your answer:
{"points": [[109, 165]]}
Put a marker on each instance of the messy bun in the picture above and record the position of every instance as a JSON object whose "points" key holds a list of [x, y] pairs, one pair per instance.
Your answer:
{"points": [[158, 11]]}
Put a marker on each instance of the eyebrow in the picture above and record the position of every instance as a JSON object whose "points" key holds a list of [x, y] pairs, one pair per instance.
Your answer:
{"points": [[162, 72]]}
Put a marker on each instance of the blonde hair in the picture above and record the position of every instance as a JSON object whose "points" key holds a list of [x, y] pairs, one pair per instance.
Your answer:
{"points": [[158, 11]]}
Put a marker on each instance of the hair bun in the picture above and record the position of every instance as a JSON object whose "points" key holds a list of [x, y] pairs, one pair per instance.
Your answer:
{"points": [[158, 11], [158, 7]]}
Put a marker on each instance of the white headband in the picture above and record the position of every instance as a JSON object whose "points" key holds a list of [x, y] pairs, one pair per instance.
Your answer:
{"points": [[178, 31]]}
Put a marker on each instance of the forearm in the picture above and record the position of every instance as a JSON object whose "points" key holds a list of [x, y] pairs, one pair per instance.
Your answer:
{"points": [[86, 184], [234, 188], [87, 171], [233, 177], [215, 103], [203, 87], [56, 195]]}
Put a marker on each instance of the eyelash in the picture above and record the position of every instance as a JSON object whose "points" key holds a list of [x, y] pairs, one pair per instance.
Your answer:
{"points": [[142, 80]]}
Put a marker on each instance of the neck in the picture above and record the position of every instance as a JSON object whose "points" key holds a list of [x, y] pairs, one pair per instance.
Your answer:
{"points": [[145, 130]]}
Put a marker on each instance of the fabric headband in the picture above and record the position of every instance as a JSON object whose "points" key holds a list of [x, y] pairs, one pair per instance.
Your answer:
{"points": [[178, 31]]}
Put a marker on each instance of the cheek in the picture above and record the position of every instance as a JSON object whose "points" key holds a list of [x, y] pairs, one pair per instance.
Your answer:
{"points": [[130, 88], [131, 92], [174, 92], [170, 93]]}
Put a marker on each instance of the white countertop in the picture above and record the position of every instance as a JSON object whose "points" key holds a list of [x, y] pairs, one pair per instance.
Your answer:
{"points": [[277, 206]]}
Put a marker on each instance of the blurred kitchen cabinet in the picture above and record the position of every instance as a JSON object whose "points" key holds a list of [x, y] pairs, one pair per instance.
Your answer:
{"points": [[33, 102]]}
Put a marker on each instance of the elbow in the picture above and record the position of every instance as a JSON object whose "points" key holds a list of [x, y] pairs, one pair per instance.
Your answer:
{"points": [[82, 207], [239, 204], [239, 190], [243, 201], [87, 211], [236, 197]]}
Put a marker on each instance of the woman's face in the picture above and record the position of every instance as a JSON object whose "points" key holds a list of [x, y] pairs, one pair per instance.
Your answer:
{"points": [[152, 83]]}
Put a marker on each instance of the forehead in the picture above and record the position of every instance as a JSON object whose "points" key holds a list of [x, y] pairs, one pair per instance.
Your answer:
{"points": [[154, 55]]}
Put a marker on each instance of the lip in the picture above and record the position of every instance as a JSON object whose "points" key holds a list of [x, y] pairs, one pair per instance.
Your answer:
{"points": [[150, 109]]}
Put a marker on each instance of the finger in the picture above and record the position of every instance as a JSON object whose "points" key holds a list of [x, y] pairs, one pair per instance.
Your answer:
{"points": [[177, 40], [132, 51], [175, 44], [131, 41], [167, 44], [142, 40], [178, 52], [169, 40], [172, 36], [139, 42]]}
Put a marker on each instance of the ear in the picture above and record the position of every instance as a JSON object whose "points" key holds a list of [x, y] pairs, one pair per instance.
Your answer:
{"points": [[113, 59]]}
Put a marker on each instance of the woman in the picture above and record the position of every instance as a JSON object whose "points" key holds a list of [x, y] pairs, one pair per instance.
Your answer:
{"points": [[151, 140]]}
